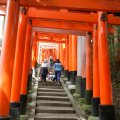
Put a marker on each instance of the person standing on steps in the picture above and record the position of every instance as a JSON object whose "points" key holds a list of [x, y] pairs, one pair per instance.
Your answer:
{"points": [[51, 61], [57, 69], [44, 70]]}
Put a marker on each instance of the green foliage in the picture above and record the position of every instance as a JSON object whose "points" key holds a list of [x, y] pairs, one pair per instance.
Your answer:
{"points": [[76, 96], [114, 48]]}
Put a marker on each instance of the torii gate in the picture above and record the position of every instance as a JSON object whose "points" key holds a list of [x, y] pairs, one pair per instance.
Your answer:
{"points": [[9, 43]]}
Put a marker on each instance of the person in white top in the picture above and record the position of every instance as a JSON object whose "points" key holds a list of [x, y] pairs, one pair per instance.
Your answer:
{"points": [[44, 70]]}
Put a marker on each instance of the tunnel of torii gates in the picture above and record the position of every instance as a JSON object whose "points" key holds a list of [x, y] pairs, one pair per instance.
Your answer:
{"points": [[79, 28]]}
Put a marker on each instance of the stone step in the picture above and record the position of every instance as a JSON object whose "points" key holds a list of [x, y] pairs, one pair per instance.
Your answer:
{"points": [[48, 83], [48, 116], [53, 103], [50, 90], [46, 109], [54, 98], [53, 87], [51, 94]]}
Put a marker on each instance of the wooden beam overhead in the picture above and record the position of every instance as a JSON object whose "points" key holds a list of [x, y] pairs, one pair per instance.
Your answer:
{"points": [[64, 16], [85, 5], [51, 35], [50, 41], [62, 25], [59, 31], [70, 16]]}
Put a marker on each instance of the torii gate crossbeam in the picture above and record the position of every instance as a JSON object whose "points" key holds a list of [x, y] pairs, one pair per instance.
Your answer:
{"points": [[86, 5]]}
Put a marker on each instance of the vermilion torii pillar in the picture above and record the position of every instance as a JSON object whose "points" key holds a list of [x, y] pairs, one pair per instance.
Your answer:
{"points": [[83, 80], [73, 72], [58, 51], [96, 89], [63, 58], [106, 109], [67, 56], [61, 53], [34, 51], [7, 57], [18, 65], [70, 58], [25, 69], [79, 64], [89, 82]]}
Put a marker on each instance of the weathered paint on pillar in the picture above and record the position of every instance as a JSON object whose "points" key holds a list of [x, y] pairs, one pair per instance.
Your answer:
{"points": [[89, 81], [74, 59], [106, 107], [79, 64], [7, 56], [96, 87], [83, 80]]}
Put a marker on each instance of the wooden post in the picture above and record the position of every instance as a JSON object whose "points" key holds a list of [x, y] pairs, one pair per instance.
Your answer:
{"points": [[106, 108], [25, 69], [83, 80], [19, 55], [7, 56], [96, 87], [79, 64], [74, 59], [89, 82], [67, 56]]}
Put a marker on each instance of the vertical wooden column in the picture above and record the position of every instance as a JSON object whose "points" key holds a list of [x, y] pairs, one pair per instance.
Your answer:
{"points": [[30, 70], [74, 59], [61, 57], [70, 58], [96, 89], [19, 55], [79, 64], [106, 108], [83, 80], [34, 51], [7, 56], [89, 81], [23, 93], [67, 56], [58, 51]]}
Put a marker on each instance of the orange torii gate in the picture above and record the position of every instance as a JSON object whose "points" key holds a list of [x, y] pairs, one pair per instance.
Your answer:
{"points": [[9, 44], [88, 5]]}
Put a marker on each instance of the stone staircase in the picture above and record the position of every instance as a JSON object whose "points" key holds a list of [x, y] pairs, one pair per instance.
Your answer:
{"points": [[53, 103]]}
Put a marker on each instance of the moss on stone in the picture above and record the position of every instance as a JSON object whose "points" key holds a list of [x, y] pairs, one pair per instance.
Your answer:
{"points": [[76, 96], [86, 107], [81, 100], [72, 91], [23, 117], [65, 79], [93, 118]]}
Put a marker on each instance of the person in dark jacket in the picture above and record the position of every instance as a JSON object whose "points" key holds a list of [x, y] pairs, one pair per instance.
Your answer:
{"points": [[57, 69]]}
